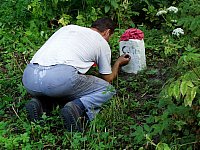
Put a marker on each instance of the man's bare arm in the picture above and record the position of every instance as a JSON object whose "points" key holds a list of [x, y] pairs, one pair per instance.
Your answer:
{"points": [[121, 61]]}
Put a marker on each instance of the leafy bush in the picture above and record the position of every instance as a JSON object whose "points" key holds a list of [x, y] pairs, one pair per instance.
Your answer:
{"points": [[156, 109]]}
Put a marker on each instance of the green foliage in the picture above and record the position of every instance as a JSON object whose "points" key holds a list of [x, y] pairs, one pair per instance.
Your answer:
{"points": [[122, 11], [10, 17], [156, 109], [190, 17], [150, 12]]}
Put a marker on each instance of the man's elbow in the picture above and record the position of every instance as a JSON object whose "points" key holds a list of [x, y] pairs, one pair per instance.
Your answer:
{"points": [[108, 78]]}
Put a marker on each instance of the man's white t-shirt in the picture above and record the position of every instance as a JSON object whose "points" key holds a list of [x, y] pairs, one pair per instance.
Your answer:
{"points": [[77, 46]]}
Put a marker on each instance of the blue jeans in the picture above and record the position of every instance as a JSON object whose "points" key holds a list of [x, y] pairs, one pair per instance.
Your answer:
{"points": [[63, 81]]}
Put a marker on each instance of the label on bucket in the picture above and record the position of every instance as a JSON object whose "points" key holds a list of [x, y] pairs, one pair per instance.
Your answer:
{"points": [[136, 49]]}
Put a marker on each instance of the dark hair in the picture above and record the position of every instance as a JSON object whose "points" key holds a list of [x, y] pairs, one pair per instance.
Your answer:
{"points": [[103, 24]]}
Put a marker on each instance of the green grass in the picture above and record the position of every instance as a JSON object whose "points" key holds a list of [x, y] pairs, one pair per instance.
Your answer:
{"points": [[154, 109]]}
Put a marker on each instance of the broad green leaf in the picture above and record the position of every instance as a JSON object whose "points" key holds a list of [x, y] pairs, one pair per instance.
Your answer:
{"points": [[162, 146], [146, 127], [107, 8], [170, 89], [193, 92], [188, 98], [198, 115], [183, 88], [181, 61], [190, 84], [65, 19], [114, 4], [176, 90], [144, 9], [190, 77], [61, 20], [166, 147], [79, 17]]}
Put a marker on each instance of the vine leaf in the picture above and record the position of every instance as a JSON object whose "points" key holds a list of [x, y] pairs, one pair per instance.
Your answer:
{"points": [[190, 96], [162, 146], [190, 84], [107, 8], [176, 90], [183, 88], [194, 92]]}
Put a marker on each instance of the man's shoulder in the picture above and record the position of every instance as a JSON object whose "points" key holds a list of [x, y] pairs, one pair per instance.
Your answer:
{"points": [[73, 26]]}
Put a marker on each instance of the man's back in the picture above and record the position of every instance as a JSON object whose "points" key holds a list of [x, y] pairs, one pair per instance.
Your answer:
{"points": [[73, 45]]}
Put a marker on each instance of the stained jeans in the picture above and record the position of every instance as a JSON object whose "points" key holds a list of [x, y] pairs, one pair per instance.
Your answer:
{"points": [[63, 81]]}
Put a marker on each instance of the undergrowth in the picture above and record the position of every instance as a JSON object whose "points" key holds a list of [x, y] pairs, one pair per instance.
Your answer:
{"points": [[158, 108]]}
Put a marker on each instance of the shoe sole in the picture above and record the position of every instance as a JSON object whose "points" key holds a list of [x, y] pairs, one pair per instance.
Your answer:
{"points": [[33, 111], [70, 122]]}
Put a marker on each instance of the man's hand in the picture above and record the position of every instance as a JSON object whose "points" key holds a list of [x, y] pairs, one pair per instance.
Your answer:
{"points": [[121, 61], [124, 59]]}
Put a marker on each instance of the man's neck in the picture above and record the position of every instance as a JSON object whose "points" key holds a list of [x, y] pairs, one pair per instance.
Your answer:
{"points": [[95, 30]]}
